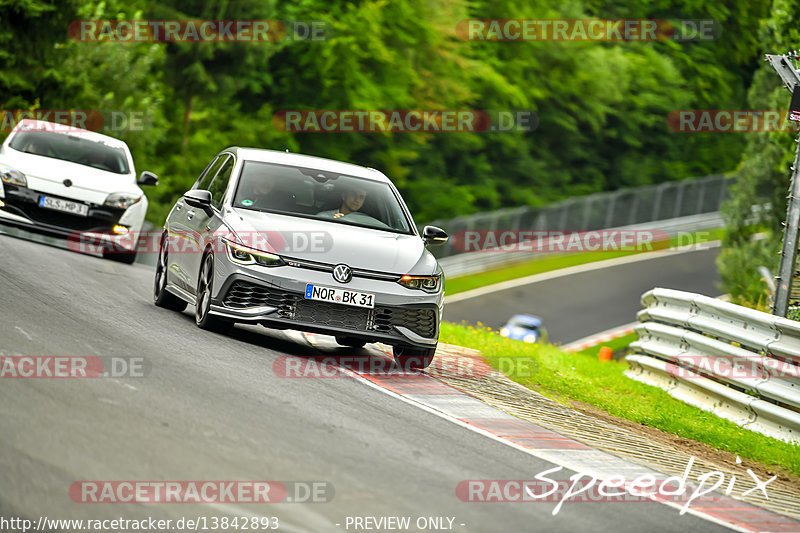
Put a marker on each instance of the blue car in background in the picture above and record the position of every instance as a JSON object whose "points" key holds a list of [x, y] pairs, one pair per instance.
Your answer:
{"points": [[527, 328]]}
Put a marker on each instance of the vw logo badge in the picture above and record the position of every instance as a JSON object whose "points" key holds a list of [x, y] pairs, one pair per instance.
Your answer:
{"points": [[342, 273], [67, 182]]}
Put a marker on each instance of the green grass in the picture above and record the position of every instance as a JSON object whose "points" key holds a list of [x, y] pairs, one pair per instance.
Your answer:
{"points": [[581, 376], [616, 345], [555, 262]]}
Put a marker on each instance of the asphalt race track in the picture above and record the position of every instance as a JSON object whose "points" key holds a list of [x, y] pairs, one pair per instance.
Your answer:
{"points": [[211, 408], [575, 306]]}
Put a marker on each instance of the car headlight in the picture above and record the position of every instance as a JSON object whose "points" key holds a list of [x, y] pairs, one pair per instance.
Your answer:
{"points": [[530, 337], [505, 332], [248, 256], [423, 283], [13, 176], [121, 200]]}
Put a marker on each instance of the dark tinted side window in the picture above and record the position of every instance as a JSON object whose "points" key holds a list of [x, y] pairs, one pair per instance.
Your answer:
{"points": [[220, 183], [205, 180]]}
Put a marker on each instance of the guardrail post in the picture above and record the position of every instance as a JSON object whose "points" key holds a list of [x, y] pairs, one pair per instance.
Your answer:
{"points": [[789, 249], [657, 203], [701, 195], [786, 70]]}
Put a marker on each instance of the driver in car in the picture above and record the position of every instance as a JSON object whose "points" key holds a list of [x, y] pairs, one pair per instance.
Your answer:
{"points": [[352, 200], [97, 160]]}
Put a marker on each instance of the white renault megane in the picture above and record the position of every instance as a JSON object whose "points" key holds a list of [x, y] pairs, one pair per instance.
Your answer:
{"points": [[69, 182]]}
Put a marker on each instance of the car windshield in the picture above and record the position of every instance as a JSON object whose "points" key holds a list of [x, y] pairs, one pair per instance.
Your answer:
{"points": [[526, 323], [72, 148], [320, 194]]}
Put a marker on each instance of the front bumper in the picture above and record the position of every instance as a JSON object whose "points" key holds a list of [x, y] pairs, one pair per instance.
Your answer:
{"points": [[245, 298], [21, 209]]}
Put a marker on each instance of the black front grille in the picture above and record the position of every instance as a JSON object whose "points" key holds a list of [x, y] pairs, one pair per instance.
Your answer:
{"points": [[24, 202], [49, 217], [333, 315], [244, 295], [420, 320]]}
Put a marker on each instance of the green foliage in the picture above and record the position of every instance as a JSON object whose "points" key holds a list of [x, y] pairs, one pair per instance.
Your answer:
{"points": [[738, 269], [764, 174], [601, 107]]}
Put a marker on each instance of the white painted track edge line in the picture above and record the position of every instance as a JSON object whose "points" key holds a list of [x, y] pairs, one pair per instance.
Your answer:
{"points": [[544, 457]]}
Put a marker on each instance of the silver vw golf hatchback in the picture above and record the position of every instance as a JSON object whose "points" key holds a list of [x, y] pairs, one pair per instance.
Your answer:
{"points": [[299, 242]]}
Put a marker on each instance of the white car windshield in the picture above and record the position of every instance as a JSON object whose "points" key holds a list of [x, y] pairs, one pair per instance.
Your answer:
{"points": [[72, 148], [320, 194]]}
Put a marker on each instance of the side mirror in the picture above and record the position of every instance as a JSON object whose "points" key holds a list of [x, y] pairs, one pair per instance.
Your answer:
{"points": [[434, 236], [199, 198], [147, 178]]}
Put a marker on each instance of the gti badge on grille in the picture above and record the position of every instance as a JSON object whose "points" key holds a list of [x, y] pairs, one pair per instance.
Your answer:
{"points": [[342, 273]]}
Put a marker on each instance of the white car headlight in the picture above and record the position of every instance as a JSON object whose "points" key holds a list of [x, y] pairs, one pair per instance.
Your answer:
{"points": [[13, 176], [423, 283], [248, 256], [121, 200], [530, 337]]}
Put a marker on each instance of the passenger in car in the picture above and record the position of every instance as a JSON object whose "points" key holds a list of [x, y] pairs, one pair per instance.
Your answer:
{"points": [[263, 195], [36, 147]]}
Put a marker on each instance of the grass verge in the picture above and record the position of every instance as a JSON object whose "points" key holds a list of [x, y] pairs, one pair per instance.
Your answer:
{"points": [[581, 376], [617, 345], [554, 262]]}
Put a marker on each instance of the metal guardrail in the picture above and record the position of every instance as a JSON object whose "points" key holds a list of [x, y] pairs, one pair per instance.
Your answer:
{"points": [[738, 363], [611, 209], [472, 262]]}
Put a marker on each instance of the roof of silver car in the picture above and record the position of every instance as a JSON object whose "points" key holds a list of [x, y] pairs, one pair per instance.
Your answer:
{"points": [[309, 161]]}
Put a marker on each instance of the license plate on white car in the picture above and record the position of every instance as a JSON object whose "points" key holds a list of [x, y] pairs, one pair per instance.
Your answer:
{"points": [[64, 205], [340, 296]]}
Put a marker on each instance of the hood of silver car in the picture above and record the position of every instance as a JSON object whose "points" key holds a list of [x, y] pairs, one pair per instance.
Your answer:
{"points": [[331, 242]]}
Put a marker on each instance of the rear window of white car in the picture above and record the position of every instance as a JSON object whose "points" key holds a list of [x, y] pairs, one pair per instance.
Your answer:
{"points": [[320, 194], [72, 148]]}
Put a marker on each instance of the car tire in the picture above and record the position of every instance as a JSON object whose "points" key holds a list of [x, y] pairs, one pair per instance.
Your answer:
{"points": [[413, 358], [161, 296], [205, 286], [352, 342]]}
